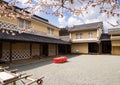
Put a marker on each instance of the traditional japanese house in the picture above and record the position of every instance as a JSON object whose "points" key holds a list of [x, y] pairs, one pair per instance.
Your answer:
{"points": [[40, 38], [86, 38], [115, 39]]}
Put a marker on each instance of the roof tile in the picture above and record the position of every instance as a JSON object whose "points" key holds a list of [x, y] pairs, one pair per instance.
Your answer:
{"points": [[90, 26]]}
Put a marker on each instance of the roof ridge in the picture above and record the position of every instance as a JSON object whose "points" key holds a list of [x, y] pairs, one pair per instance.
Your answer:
{"points": [[89, 23], [89, 26]]}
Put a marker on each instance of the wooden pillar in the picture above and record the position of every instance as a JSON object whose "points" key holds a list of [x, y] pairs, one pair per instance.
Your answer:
{"points": [[47, 46], [10, 52], [65, 49], [56, 49], [1, 48], [112, 51], [100, 48], [39, 50], [70, 49], [30, 49]]}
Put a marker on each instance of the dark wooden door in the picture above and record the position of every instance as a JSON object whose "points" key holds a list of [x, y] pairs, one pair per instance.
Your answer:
{"points": [[64, 49], [106, 47], [93, 47], [61, 49], [45, 49]]}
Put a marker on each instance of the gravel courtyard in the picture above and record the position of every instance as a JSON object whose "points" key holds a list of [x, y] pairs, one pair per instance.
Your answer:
{"points": [[79, 70]]}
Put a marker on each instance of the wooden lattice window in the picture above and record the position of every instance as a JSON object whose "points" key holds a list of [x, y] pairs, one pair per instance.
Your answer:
{"points": [[50, 31], [25, 24], [79, 36], [90, 35]]}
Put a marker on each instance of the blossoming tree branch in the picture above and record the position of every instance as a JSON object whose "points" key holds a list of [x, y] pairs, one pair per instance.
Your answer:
{"points": [[59, 7]]}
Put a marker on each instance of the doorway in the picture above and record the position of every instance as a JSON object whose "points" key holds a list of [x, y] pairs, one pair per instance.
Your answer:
{"points": [[45, 49], [64, 49], [93, 48], [106, 47]]}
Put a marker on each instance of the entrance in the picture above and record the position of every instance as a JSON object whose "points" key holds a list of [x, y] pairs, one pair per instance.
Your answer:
{"points": [[64, 49], [106, 46], [93, 47], [45, 49]]}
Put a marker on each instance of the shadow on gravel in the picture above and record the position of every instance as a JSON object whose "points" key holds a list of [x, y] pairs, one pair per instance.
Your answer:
{"points": [[31, 66], [41, 63], [72, 55]]}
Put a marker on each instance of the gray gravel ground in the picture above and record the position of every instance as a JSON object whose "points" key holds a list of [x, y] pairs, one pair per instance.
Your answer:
{"points": [[79, 70]]}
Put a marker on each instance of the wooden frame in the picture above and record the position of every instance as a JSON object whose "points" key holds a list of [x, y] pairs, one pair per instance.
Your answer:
{"points": [[10, 77]]}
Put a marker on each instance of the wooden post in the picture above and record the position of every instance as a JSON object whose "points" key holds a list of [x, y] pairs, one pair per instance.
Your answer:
{"points": [[70, 49], [39, 50], [30, 49], [10, 52], [40, 53], [100, 48], [65, 49], [1, 48], [47, 48], [56, 49]]}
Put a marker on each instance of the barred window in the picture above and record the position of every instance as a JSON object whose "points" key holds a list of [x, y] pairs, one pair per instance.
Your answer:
{"points": [[50, 31], [90, 35], [22, 23], [79, 36]]}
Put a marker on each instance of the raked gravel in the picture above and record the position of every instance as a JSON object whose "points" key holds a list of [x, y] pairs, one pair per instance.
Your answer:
{"points": [[79, 70]]}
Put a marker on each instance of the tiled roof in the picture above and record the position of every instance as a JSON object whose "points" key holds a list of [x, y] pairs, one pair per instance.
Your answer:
{"points": [[35, 17], [9, 26], [114, 31], [90, 26], [105, 37], [30, 38]]}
